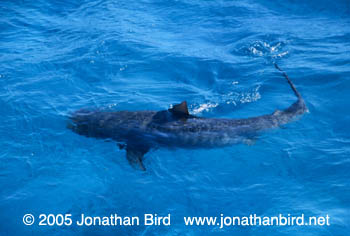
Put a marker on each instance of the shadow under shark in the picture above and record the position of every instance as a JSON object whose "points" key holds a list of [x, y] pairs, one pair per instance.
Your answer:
{"points": [[139, 131]]}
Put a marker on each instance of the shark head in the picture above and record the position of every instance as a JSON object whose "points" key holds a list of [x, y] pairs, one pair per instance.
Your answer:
{"points": [[101, 124], [81, 122]]}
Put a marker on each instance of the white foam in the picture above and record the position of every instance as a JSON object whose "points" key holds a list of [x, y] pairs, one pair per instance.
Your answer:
{"points": [[204, 107]]}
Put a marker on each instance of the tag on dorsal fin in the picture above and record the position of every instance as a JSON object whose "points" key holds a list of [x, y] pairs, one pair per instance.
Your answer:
{"points": [[180, 109]]}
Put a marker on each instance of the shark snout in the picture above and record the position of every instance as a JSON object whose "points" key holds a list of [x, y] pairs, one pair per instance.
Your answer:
{"points": [[71, 124], [78, 121]]}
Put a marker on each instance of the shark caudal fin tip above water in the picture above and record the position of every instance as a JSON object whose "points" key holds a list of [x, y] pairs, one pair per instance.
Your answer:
{"points": [[301, 101]]}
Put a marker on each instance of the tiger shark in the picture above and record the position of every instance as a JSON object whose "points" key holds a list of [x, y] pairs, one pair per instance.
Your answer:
{"points": [[140, 131]]}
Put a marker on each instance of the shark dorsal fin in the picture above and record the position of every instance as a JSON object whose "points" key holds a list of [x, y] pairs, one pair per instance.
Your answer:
{"points": [[180, 109]]}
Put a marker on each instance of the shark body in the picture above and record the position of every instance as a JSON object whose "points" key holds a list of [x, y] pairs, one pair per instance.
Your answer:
{"points": [[139, 131]]}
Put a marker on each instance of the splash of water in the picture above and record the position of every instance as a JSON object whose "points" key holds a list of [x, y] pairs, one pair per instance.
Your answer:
{"points": [[268, 50]]}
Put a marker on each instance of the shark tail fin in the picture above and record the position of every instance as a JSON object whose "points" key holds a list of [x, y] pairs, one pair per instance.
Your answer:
{"points": [[299, 106], [289, 82]]}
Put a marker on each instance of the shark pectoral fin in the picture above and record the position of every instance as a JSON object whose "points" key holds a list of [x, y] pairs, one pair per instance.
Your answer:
{"points": [[135, 155]]}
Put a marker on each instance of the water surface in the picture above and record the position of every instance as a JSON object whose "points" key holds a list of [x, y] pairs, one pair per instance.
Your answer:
{"points": [[60, 56]]}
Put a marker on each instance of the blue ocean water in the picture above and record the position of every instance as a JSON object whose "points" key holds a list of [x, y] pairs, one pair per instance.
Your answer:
{"points": [[60, 56]]}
